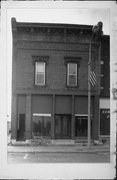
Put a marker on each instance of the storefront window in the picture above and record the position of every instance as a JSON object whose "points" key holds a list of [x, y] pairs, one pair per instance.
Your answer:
{"points": [[104, 122], [41, 126]]}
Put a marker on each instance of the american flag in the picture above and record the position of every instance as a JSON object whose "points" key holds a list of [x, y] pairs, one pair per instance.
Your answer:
{"points": [[92, 78]]}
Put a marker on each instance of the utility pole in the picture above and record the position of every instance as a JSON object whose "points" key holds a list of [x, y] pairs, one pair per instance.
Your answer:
{"points": [[89, 97], [96, 37]]}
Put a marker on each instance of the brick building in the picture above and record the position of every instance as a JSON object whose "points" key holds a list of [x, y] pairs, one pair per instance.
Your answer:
{"points": [[50, 82], [105, 87]]}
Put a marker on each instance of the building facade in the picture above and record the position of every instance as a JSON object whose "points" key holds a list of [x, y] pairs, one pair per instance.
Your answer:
{"points": [[105, 87], [50, 82]]}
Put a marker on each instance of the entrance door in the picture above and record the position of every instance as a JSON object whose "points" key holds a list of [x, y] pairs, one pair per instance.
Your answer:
{"points": [[21, 128], [81, 126], [62, 126], [104, 122]]}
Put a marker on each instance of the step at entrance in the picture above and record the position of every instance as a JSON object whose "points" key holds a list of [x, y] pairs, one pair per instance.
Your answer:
{"points": [[82, 141], [62, 142], [40, 141]]}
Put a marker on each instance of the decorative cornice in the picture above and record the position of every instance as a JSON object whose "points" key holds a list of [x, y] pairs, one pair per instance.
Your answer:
{"points": [[69, 59], [51, 31], [40, 59], [14, 28]]}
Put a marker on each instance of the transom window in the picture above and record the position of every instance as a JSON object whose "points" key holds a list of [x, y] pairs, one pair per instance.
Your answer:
{"points": [[40, 73], [72, 74]]}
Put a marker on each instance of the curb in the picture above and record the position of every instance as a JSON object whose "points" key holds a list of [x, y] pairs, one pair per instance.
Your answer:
{"points": [[50, 149], [67, 152]]}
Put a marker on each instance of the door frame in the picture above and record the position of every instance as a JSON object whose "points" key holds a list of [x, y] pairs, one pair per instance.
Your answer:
{"points": [[83, 115], [61, 127], [18, 128]]}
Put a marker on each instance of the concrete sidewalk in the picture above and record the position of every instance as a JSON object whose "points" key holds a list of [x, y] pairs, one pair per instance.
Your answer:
{"points": [[60, 148]]}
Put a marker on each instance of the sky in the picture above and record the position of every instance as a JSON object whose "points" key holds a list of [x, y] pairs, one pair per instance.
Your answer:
{"points": [[51, 15], [68, 16]]}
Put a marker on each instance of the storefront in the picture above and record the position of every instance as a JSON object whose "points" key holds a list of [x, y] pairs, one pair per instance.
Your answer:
{"points": [[67, 120], [104, 117]]}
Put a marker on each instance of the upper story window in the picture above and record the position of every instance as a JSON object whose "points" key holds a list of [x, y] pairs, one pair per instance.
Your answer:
{"points": [[40, 73], [72, 74]]}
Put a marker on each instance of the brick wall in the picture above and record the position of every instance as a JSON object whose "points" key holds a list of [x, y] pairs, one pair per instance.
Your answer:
{"points": [[56, 42], [56, 70], [105, 67]]}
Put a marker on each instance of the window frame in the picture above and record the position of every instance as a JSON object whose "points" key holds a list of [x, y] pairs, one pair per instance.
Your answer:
{"points": [[76, 75], [42, 115], [36, 83]]}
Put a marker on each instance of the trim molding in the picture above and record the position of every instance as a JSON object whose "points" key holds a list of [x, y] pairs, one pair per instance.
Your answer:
{"points": [[40, 114], [40, 59]]}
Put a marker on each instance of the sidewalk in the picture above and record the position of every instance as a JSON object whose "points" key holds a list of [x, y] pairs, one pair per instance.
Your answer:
{"points": [[22, 147], [75, 148]]}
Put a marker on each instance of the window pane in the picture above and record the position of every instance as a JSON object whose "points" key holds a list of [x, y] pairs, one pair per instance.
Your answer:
{"points": [[37, 125], [40, 67], [40, 78], [72, 80], [72, 68], [40, 73], [41, 126], [46, 126]]}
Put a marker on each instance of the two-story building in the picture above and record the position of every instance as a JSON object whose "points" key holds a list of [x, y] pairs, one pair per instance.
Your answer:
{"points": [[105, 88], [50, 82]]}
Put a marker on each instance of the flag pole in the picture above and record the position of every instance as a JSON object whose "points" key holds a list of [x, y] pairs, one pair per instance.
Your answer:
{"points": [[89, 97], [97, 33]]}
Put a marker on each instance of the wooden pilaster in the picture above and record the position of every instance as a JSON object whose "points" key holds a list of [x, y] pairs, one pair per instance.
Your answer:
{"points": [[96, 118], [14, 117], [73, 120], [53, 118], [28, 117]]}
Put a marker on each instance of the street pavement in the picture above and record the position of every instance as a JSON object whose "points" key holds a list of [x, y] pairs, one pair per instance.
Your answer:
{"points": [[76, 153], [58, 158]]}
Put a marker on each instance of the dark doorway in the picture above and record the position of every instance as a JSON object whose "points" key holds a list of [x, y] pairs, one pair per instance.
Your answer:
{"points": [[62, 126], [81, 126], [21, 128], [104, 121]]}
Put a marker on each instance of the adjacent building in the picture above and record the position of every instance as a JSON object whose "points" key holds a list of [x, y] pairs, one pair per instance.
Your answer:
{"points": [[50, 82], [105, 88]]}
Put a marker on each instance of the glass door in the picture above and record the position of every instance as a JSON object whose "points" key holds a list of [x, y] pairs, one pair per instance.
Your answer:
{"points": [[62, 126], [81, 125]]}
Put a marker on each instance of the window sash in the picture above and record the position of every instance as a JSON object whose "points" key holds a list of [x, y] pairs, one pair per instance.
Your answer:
{"points": [[69, 75], [39, 74]]}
